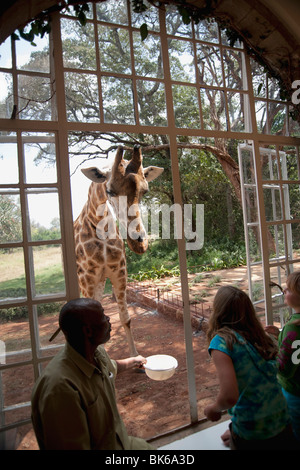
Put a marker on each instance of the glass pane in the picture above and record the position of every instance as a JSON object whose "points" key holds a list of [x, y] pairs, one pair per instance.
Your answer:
{"points": [[254, 244], [82, 99], [259, 79], [6, 95], [283, 164], [48, 270], [269, 165], [257, 290], [277, 117], [293, 165], [147, 56], [71, 12], [78, 44], [35, 97], [40, 162], [292, 201], [272, 203], [114, 49], [294, 232], [9, 173], [186, 106], [238, 109], [44, 218], [94, 144], [10, 218], [233, 69], [33, 58], [294, 126], [15, 333], [213, 109], [12, 280], [150, 17], [207, 31], [181, 57], [277, 276], [117, 100], [261, 116], [277, 300], [273, 89], [251, 205], [17, 384], [114, 11], [228, 42], [276, 242], [209, 65], [152, 103], [5, 54], [48, 323], [25, 438], [174, 24], [248, 165]]}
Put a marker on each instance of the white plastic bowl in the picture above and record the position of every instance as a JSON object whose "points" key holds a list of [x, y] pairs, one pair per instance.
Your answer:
{"points": [[160, 366]]}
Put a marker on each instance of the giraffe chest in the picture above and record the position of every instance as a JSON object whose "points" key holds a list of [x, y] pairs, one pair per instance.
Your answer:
{"points": [[90, 250]]}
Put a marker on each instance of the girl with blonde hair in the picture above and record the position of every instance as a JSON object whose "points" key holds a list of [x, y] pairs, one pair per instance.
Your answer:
{"points": [[245, 359], [289, 351]]}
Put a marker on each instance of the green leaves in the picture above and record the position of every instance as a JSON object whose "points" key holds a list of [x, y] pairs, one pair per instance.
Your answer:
{"points": [[80, 12], [259, 88], [138, 6], [185, 14], [143, 31], [42, 25], [38, 27]]}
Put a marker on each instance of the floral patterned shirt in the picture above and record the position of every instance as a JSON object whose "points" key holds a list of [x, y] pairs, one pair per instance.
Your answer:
{"points": [[261, 410]]}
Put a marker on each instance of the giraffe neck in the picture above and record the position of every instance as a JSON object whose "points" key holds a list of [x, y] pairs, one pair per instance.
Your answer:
{"points": [[96, 197]]}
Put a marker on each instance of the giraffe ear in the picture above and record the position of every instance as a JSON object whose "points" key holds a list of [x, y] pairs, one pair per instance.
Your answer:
{"points": [[95, 175], [152, 172]]}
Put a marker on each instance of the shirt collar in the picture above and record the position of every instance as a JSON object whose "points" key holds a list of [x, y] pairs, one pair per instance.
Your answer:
{"points": [[85, 366]]}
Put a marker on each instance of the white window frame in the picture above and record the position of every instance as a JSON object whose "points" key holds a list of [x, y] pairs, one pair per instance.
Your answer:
{"points": [[61, 127]]}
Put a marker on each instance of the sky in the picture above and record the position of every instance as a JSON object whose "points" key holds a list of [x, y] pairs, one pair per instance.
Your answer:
{"points": [[43, 208], [41, 173]]}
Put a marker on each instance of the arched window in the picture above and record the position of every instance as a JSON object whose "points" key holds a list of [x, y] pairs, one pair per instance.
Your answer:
{"points": [[184, 88]]}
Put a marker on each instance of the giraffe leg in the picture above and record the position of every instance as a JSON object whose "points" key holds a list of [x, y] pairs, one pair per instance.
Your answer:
{"points": [[120, 295], [99, 290]]}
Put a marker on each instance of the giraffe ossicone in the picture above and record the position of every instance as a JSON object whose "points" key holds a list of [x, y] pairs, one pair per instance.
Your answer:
{"points": [[99, 243]]}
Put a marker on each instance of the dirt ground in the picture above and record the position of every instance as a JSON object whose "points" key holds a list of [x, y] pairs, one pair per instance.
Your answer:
{"points": [[149, 408]]}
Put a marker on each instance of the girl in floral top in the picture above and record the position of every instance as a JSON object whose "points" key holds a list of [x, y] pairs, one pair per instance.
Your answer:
{"points": [[245, 359]]}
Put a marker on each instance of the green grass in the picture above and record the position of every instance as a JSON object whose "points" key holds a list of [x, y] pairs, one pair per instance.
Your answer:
{"points": [[50, 281], [160, 260], [47, 281]]}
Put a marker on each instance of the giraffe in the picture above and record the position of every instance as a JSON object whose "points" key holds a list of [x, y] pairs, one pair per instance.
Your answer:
{"points": [[99, 246]]}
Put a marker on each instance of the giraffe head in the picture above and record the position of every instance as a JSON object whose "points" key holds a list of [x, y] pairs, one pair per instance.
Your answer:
{"points": [[127, 181]]}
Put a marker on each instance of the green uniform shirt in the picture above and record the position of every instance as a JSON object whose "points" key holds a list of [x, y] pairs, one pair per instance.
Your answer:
{"points": [[74, 405], [288, 357]]}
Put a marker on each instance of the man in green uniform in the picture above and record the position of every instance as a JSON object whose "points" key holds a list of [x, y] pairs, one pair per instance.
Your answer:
{"points": [[73, 402]]}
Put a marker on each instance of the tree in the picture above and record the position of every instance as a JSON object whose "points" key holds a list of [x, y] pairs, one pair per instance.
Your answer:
{"points": [[10, 219], [119, 94]]}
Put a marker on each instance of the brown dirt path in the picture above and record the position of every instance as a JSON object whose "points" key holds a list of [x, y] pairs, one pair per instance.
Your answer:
{"points": [[148, 407]]}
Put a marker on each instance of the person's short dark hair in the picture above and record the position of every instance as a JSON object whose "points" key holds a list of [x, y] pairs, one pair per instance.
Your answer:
{"points": [[74, 314]]}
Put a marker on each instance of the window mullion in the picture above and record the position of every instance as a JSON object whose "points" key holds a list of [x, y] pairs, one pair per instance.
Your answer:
{"points": [[63, 169], [180, 241]]}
